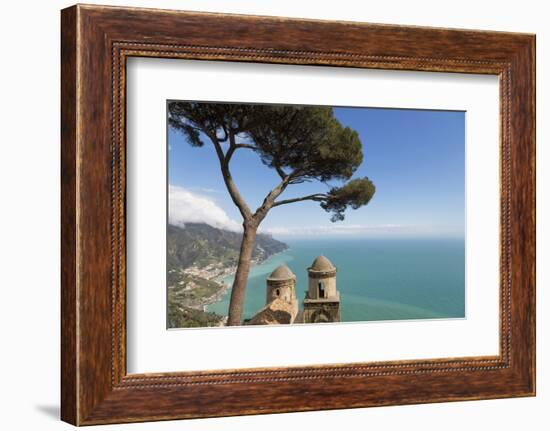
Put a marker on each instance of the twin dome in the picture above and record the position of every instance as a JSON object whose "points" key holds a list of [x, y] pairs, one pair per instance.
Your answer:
{"points": [[321, 301], [320, 264]]}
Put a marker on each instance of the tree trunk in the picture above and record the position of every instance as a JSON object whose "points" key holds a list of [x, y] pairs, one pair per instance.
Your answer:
{"points": [[236, 303]]}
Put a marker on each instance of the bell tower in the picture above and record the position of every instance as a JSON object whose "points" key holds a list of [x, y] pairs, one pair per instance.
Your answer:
{"points": [[281, 284], [322, 301]]}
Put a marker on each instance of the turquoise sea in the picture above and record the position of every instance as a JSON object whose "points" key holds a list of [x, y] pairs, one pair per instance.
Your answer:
{"points": [[378, 279]]}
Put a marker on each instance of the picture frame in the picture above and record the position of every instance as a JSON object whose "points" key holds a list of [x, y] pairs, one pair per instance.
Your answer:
{"points": [[96, 42]]}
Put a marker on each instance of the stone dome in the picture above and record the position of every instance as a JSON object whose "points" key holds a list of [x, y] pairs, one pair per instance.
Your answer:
{"points": [[321, 264], [282, 272]]}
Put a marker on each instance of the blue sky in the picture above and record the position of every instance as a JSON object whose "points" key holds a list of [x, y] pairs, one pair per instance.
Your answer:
{"points": [[415, 158]]}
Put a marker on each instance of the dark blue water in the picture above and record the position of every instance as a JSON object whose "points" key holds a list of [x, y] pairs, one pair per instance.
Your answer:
{"points": [[378, 279]]}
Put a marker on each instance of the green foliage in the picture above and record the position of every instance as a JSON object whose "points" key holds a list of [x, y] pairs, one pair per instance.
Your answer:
{"points": [[306, 140], [302, 143], [191, 290], [186, 317], [355, 193], [212, 119], [183, 302], [186, 295]]}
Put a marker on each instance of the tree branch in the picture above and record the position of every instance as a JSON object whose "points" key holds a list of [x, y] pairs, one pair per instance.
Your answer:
{"points": [[234, 146], [225, 135], [281, 173], [269, 200], [217, 147], [236, 196], [318, 197]]}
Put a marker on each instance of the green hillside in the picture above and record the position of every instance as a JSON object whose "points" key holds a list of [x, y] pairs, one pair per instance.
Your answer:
{"points": [[199, 244], [198, 255]]}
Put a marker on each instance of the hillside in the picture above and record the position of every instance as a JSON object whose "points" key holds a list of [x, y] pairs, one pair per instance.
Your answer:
{"points": [[198, 256], [200, 245]]}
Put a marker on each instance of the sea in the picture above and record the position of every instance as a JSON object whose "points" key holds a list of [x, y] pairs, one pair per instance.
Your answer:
{"points": [[378, 279]]}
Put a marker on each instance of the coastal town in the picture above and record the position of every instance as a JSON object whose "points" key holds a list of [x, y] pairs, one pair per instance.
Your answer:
{"points": [[198, 263], [209, 279]]}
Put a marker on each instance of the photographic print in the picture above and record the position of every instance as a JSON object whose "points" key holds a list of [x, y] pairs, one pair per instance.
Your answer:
{"points": [[291, 214], [233, 199]]}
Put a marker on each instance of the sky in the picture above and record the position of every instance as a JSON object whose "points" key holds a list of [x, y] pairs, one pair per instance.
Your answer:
{"points": [[416, 159]]}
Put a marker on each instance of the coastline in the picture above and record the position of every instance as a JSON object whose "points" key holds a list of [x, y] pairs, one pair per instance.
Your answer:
{"points": [[218, 278], [428, 284], [227, 280]]}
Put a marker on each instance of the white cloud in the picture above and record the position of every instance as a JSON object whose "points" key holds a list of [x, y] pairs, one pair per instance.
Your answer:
{"points": [[187, 207]]}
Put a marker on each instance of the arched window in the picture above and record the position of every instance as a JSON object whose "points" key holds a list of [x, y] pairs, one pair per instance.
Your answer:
{"points": [[277, 292], [321, 289]]}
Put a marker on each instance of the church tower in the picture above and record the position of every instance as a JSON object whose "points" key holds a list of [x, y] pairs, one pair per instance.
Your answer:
{"points": [[281, 304], [281, 284], [322, 301]]}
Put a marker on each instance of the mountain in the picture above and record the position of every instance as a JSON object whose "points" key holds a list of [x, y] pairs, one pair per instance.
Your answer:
{"points": [[199, 245], [198, 256]]}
